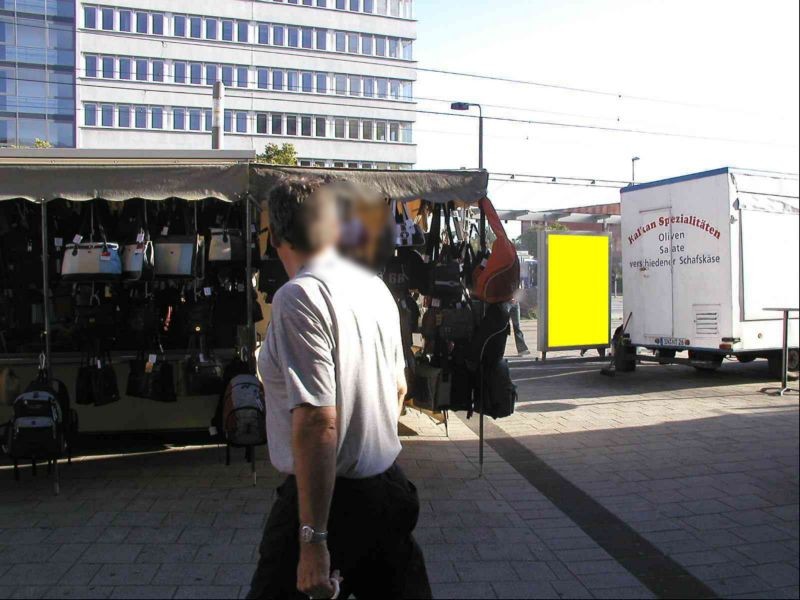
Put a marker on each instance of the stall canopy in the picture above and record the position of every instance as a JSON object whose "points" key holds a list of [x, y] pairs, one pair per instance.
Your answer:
{"points": [[80, 175], [461, 186]]}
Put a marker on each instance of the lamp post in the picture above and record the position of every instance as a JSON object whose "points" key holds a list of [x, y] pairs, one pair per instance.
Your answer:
{"points": [[634, 160], [467, 106]]}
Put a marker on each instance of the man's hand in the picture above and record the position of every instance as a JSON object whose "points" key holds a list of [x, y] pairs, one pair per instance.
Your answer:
{"points": [[314, 571]]}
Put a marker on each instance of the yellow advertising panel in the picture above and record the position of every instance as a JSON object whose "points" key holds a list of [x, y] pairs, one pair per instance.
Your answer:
{"points": [[578, 311]]}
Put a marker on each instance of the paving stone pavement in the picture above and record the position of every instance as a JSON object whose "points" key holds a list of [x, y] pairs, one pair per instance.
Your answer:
{"points": [[705, 467]]}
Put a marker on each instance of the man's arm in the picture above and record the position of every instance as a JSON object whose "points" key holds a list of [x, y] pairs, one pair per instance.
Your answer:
{"points": [[314, 442]]}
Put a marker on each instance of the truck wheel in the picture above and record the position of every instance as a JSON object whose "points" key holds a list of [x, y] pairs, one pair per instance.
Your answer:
{"points": [[715, 361], [794, 359], [745, 358]]}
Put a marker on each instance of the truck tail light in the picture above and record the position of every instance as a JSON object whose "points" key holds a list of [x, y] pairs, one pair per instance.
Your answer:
{"points": [[726, 346]]}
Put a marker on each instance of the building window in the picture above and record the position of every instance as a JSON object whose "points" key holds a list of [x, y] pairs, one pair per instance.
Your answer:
{"points": [[124, 116], [195, 27], [124, 20], [227, 31], [278, 35], [243, 31], [367, 130], [211, 74], [340, 82], [367, 46], [277, 125], [208, 120], [195, 120], [141, 69], [261, 123], [90, 17], [394, 89], [242, 77], [178, 119], [158, 70], [227, 76], [341, 41], [263, 79], [141, 22], [355, 86], [107, 19], [90, 66], [263, 33], [90, 115], [108, 67], [307, 40], [383, 88], [294, 37], [369, 6], [307, 82], [322, 83], [157, 118], [140, 117], [352, 43], [277, 80], [107, 115], [352, 129], [180, 73], [380, 46], [241, 122], [369, 87], [380, 131], [227, 123], [406, 135], [321, 127], [291, 125], [305, 126], [211, 29], [354, 5], [394, 132], [179, 26], [322, 39], [338, 128], [158, 24], [394, 48], [341, 4], [125, 68], [293, 81]]}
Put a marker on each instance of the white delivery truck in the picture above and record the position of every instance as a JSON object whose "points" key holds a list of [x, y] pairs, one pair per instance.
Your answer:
{"points": [[703, 256]]}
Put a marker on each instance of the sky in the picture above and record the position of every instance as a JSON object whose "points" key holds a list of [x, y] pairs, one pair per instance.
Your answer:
{"points": [[706, 68]]}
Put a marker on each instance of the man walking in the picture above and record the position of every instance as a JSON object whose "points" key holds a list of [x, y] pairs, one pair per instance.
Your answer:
{"points": [[333, 369], [515, 313]]}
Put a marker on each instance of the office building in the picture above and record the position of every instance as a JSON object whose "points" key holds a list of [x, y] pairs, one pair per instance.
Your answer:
{"points": [[333, 77]]}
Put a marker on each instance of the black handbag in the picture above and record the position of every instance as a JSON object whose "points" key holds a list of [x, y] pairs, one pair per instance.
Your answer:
{"points": [[272, 275], [488, 344], [153, 380], [416, 269], [395, 277], [500, 393], [197, 317], [457, 324], [104, 383], [445, 273], [203, 376]]}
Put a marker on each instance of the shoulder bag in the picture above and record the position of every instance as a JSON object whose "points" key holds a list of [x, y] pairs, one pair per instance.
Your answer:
{"points": [[178, 255], [137, 255], [91, 261], [496, 278]]}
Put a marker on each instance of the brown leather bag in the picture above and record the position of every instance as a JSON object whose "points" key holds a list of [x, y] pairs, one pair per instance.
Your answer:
{"points": [[496, 278]]}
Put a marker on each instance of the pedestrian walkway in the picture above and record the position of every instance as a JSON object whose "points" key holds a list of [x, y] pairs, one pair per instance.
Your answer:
{"points": [[597, 487]]}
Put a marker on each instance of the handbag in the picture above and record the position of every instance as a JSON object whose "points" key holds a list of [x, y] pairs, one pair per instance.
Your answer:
{"points": [[407, 232], [500, 393], [203, 375], [96, 382], [445, 274], [432, 386], [395, 277], [457, 324], [496, 278], [91, 261], [226, 246], [152, 379], [416, 269], [272, 274], [488, 344], [178, 256], [138, 255]]}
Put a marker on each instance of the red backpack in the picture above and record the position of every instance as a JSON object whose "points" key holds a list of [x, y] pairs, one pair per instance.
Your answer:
{"points": [[496, 279]]}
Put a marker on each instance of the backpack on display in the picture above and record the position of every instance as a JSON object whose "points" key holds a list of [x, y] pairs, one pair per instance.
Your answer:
{"points": [[496, 278], [37, 427], [500, 393], [488, 344], [243, 412]]}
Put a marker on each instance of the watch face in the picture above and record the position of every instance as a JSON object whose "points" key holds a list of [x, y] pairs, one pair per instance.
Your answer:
{"points": [[306, 534]]}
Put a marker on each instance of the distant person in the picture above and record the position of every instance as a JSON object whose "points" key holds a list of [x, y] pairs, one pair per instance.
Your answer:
{"points": [[333, 369], [516, 316]]}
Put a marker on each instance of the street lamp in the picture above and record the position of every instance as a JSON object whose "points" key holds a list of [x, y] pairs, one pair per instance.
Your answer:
{"points": [[467, 106], [634, 160]]}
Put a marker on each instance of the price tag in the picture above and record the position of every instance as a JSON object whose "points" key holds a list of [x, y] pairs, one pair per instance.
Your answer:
{"points": [[207, 291], [152, 359], [484, 262], [165, 230], [140, 238], [202, 358], [212, 430], [77, 239], [99, 364], [105, 256], [107, 292], [435, 303], [58, 242], [253, 227]]}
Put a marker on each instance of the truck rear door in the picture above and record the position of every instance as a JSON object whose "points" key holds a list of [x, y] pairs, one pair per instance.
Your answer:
{"points": [[656, 271]]}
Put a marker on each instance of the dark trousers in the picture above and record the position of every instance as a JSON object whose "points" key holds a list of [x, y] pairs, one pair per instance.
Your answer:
{"points": [[369, 539], [519, 338]]}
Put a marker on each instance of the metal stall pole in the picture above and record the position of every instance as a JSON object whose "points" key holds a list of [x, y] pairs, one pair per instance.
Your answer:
{"points": [[46, 326], [251, 334]]}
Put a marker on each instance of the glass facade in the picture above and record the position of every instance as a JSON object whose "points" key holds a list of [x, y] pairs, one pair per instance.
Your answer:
{"points": [[37, 72]]}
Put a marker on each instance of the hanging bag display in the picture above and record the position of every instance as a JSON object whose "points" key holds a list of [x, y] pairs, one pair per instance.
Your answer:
{"points": [[408, 233], [91, 261], [272, 275], [496, 279], [446, 270], [178, 255], [138, 259]]}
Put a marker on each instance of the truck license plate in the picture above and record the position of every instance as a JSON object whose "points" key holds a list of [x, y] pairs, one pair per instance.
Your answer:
{"points": [[671, 341]]}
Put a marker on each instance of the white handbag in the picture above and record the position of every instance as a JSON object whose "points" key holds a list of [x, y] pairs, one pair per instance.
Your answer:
{"points": [[137, 261], [226, 245], [176, 256], [407, 233], [93, 261]]}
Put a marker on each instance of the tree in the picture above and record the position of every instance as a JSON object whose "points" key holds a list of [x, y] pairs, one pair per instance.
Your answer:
{"points": [[39, 143], [529, 240], [279, 155]]}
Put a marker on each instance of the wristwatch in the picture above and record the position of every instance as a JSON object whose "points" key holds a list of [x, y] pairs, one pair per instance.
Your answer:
{"points": [[308, 535]]}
